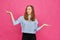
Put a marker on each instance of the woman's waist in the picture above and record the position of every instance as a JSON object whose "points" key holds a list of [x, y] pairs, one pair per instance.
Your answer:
{"points": [[28, 34], [26, 31]]}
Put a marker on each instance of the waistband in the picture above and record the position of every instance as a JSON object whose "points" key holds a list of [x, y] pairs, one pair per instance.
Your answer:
{"points": [[28, 34]]}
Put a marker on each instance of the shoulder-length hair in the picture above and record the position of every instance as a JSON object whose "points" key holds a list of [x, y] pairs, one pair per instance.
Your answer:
{"points": [[32, 13]]}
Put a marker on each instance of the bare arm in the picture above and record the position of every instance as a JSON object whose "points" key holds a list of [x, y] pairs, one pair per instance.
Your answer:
{"points": [[42, 26], [13, 20]]}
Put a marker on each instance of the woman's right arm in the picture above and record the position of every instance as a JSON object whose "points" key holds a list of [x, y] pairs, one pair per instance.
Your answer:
{"points": [[13, 20]]}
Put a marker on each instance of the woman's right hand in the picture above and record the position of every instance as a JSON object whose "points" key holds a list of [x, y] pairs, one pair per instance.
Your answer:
{"points": [[9, 12]]}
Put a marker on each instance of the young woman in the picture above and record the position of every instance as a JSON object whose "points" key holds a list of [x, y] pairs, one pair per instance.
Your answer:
{"points": [[28, 22]]}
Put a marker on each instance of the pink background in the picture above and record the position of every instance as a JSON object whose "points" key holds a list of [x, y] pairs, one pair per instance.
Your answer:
{"points": [[47, 11]]}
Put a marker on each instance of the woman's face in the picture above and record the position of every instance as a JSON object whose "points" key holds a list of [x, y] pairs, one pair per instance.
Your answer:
{"points": [[29, 10]]}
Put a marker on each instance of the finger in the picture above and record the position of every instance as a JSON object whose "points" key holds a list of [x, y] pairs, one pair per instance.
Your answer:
{"points": [[5, 10], [48, 25]]}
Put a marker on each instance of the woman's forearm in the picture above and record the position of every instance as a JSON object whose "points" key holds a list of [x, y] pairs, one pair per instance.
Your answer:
{"points": [[40, 27], [13, 20]]}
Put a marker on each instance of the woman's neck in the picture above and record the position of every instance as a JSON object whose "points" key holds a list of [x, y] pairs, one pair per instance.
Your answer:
{"points": [[29, 16]]}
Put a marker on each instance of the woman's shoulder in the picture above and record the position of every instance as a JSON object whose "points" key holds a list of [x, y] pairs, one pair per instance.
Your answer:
{"points": [[36, 20], [21, 16]]}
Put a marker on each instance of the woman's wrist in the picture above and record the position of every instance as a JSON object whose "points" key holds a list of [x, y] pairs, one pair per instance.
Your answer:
{"points": [[10, 13]]}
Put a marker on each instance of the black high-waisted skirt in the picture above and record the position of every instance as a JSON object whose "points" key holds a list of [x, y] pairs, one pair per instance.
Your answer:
{"points": [[28, 36]]}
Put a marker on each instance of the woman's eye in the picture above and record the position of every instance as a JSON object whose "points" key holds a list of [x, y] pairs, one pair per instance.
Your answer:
{"points": [[28, 9]]}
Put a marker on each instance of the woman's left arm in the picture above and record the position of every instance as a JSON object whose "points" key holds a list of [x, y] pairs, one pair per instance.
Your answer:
{"points": [[42, 26]]}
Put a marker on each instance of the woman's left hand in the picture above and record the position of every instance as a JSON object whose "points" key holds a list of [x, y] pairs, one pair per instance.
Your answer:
{"points": [[47, 25]]}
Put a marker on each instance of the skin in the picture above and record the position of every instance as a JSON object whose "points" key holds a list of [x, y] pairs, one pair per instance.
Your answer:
{"points": [[29, 10]]}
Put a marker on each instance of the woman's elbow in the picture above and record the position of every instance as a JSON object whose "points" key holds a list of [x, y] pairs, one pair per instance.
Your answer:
{"points": [[14, 24]]}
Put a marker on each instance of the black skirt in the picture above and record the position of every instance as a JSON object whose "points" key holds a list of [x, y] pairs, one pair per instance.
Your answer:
{"points": [[28, 36]]}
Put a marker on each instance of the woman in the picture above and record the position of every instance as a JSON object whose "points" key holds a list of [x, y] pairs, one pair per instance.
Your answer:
{"points": [[28, 22]]}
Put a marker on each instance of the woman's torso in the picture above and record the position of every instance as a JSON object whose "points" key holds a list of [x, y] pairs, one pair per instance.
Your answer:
{"points": [[28, 26]]}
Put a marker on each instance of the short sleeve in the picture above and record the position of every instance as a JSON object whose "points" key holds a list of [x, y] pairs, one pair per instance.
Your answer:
{"points": [[36, 21], [36, 24], [37, 28], [19, 20]]}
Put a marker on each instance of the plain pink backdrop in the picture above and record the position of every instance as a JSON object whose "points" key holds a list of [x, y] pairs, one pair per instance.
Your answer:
{"points": [[46, 11]]}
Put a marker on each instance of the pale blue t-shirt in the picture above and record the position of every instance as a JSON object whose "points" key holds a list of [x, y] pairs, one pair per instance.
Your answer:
{"points": [[27, 26]]}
